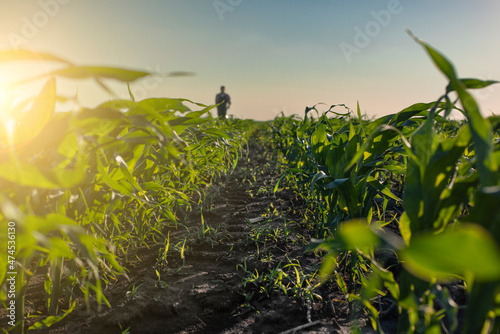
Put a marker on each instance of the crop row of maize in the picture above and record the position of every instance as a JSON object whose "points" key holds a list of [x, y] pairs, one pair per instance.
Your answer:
{"points": [[435, 180], [84, 188]]}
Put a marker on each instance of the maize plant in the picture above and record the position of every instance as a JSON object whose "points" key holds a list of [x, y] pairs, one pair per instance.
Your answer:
{"points": [[448, 227], [84, 188]]}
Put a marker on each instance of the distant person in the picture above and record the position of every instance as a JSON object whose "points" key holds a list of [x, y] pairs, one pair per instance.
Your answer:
{"points": [[225, 102]]}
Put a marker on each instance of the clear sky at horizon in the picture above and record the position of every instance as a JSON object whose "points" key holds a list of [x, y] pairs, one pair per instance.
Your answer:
{"points": [[272, 56]]}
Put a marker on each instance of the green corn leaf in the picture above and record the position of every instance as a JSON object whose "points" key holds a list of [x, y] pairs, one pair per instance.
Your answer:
{"points": [[358, 110], [335, 184], [132, 97], [59, 248], [217, 132], [356, 234], [50, 320], [138, 137], [126, 172], [443, 64], [105, 111], [113, 184], [26, 174], [164, 104], [292, 170], [327, 267], [319, 176], [319, 142], [198, 114], [93, 72], [387, 279], [405, 227], [480, 127], [471, 83], [176, 122], [367, 142], [82, 72], [383, 189], [39, 115], [177, 74], [353, 235], [17, 55], [169, 215], [424, 142]]}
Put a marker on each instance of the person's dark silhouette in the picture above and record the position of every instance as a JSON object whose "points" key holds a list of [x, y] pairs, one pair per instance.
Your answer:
{"points": [[225, 102]]}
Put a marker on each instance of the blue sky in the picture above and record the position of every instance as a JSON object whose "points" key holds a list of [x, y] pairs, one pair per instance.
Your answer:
{"points": [[272, 56]]}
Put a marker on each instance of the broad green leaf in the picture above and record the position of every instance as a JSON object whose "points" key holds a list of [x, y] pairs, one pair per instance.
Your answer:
{"points": [[59, 248], [472, 83], [405, 227], [356, 234], [41, 112], [26, 174], [468, 250], [353, 235]]}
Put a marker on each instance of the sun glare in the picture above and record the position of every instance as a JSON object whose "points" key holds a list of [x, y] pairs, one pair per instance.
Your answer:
{"points": [[3, 97], [19, 122], [7, 120]]}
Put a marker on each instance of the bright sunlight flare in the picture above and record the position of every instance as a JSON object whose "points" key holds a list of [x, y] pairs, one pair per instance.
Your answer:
{"points": [[7, 121]]}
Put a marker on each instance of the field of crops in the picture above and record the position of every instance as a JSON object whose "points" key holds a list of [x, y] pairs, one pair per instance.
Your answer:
{"points": [[397, 217], [445, 176]]}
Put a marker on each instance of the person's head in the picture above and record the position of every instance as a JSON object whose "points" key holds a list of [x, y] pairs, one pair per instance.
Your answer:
{"points": [[222, 89]]}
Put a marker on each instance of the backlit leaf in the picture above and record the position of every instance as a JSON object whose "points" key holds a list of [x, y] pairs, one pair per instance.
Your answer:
{"points": [[467, 250]]}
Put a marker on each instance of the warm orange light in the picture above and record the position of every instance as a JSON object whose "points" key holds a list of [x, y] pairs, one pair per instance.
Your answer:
{"points": [[23, 114], [7, 119], [4, 100]]}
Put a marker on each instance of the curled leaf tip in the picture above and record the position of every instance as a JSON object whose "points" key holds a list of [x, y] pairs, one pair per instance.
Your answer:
{"points": [[181, 74], [412, 35]]}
